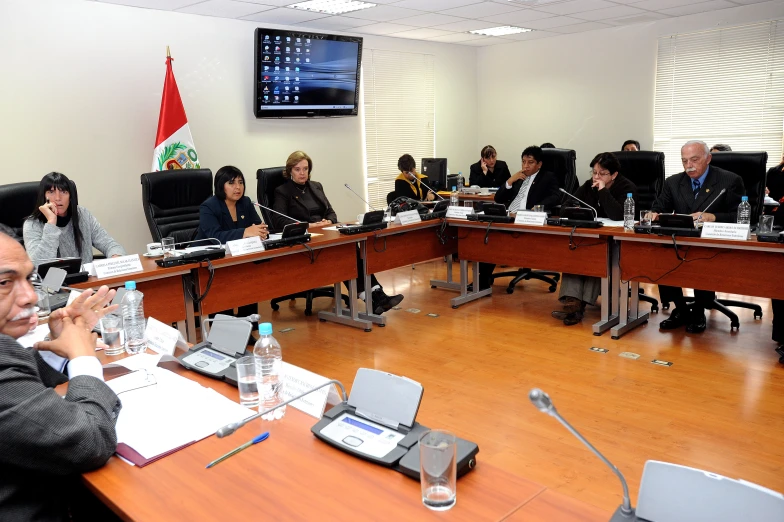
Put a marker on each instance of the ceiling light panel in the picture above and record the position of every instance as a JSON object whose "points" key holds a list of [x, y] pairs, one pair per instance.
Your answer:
{"points": [[501, 31], [333, 7]]}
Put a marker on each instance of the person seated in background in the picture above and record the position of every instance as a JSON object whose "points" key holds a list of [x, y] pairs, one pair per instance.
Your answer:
{"points": [[524, 189], [721, 147], [49, 440], [410, 182], [60, 227], [489, 171], [605, 191], [775, 189], [630, 146], [229, 214], [303, 199], [690, 192], [547, 145]]}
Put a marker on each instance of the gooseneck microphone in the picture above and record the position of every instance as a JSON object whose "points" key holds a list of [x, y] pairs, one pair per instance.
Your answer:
{"points": [[360, 197], [714, 200], [595, 214], [431, 190], [542, 401], [234, 426], [276, 212]]}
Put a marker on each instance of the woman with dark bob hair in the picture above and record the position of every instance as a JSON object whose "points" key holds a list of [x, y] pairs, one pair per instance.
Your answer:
{"points": [[60, 227], [229, 214], [489, 171], [410, 182], [304, 199]]}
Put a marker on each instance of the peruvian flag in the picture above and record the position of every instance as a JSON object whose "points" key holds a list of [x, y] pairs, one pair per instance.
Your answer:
{"points": [[174, 147]]}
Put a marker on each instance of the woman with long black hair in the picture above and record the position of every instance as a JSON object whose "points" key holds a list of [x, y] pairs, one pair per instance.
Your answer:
{"points": [[59, 227]]}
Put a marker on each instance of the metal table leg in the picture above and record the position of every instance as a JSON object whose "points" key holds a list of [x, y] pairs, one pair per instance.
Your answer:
{"points": [[465, 295]]}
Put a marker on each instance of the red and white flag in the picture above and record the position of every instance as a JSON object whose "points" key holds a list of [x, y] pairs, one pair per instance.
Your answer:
{"points": [[174, 147]]}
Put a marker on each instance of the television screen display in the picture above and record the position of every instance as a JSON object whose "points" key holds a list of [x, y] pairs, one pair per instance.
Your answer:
{"points": [[306, 74]]}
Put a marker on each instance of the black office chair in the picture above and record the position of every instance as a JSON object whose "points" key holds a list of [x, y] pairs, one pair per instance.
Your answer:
{"points": [[561, 162], [645, 169], [267, 180], [17, 202], [751, 166], [171, 200]]}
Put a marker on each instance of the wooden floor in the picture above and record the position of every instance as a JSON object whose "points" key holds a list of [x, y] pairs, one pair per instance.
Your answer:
{"points": [[719, 407]]}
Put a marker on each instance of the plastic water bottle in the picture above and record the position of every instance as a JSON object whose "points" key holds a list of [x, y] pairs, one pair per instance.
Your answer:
{"points": [[744, 211], [460, 182], [269, 368], [132, 307], [628, 212], [454, 199]]}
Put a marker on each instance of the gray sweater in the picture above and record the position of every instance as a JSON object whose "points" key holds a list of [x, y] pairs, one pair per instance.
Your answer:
{"points": [[43, 240]]}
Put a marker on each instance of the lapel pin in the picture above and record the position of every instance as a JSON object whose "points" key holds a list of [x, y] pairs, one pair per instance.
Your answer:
{"points": [[242, 217], [707, 190]]}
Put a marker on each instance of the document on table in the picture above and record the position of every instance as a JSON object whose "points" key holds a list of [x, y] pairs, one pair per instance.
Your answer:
{"points": [[610, 223], [163, 411]]}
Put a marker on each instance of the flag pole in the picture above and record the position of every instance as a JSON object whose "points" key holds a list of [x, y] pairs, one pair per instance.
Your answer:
{"points": [[168, 54]]}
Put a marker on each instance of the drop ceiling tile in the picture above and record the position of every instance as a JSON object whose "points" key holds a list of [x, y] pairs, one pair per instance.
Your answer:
{"points": [[610, 12], [224, 8], [533, 35], [645, 18], [556, 21], [481, 9], [385, 13], [580, 28], [163, 5], [483, 42], [429, 20], [517, 17], [421, 33], [433, 5], [284, 16], [457, 37], [701, 7], [575, 6], [274, 3], [467, 25], [658, 5], [383, 28], [337, 23]]}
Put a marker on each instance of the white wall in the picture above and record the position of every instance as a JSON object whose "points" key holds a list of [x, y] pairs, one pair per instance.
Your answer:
{"points": [[588, 91], [80, 92]]}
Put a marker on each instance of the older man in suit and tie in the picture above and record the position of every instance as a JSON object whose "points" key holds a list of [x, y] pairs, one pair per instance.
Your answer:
{"points": [[526, 188], [690, 192], [47, 440]]}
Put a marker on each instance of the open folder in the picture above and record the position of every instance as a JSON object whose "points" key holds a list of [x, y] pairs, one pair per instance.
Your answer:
{"points": [[163, 412]]}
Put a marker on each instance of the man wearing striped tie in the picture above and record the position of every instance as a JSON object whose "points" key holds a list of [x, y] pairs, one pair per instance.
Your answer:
{"points": [[527, 187]]}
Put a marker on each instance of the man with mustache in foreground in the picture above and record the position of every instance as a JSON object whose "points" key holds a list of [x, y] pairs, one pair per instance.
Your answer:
{"points": [[690, 192], [47, 440]]}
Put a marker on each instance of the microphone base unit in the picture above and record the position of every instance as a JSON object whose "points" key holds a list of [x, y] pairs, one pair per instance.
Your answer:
{"points": [[350, 230], [571, 223], [433, 215], [656, 230], [763, 237], [621, 516], [484, 218], [271, 244], [208, 254]]}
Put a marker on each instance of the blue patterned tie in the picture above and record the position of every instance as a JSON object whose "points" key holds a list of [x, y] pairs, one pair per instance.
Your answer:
{"points": [[696, 187]]}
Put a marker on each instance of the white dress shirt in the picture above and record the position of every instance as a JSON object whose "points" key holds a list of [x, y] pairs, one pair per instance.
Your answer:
{"points": [[520, 201], [85, 365]]}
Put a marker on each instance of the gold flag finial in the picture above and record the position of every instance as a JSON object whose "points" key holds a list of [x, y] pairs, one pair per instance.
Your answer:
{"points": [[168, 54]]}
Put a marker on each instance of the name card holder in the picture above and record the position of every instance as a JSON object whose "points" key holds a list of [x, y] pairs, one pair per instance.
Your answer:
{"points": [[297, 381], [246, 245], [408, 217], [537, 219], [734, 231], [162, 338], [115, 266], [459, 212]]}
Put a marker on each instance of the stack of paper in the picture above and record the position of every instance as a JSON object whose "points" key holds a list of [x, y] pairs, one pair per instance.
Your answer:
{"points": [[163, 412]]}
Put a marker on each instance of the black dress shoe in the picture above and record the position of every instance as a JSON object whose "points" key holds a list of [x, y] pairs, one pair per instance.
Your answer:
{"points": [[393, 301], [697, 324], [380, 301], [677, 319]]}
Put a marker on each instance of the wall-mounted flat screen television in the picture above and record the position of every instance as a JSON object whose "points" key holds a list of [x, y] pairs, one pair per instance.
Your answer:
{"points": [[305, 74]]}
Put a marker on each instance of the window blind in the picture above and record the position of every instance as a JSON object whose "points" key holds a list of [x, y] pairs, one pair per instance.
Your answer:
{"points": [[399, 109], [721, 86]]}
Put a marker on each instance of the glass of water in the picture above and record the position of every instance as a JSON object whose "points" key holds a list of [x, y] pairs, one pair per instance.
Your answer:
{"points": [[112, 334], [538, 208], [765, 224], [42, 306], [246, 381], [438, 469], [167, 244]]}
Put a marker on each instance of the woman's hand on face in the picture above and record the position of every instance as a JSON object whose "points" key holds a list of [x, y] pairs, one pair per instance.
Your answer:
{"points": [[484, 166], [50, 212], [598, 184], [430, 196]]}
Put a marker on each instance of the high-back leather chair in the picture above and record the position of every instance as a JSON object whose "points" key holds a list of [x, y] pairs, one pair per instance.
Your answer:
{"points": [[752, 167], [171, 200], [267, 180], [645, 169], [17, 202]]}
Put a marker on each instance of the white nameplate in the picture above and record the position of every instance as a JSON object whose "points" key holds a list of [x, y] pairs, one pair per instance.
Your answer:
{"points": [[408, 217], [162, 338], [459, 212], [297, 381], [246, 245], [537, 219], [89, 268], [72, 297], [725, 231], [115, 266]]}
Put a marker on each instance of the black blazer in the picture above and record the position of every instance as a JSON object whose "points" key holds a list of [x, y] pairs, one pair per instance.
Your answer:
{"points": [[493, 179], [215, 220], [543, 191], [608, 202], [287, 201], [410, 190], [677, 196]]}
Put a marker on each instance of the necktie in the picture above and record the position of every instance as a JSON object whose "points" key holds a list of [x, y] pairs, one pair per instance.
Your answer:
{"points": [[696, 187], [521, 195]]}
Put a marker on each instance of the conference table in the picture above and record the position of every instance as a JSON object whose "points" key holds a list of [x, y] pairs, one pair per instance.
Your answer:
{"points": [[294, 476]]}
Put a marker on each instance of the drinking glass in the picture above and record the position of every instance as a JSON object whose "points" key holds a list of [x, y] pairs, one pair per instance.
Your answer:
{"points": [[246, 381], [645, 217], [42, 306], [765, 224], [112, 334], [167, 244], [438, 469]]}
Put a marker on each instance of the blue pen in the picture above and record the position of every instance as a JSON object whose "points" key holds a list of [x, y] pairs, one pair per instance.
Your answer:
{"points": [[248, 444]]}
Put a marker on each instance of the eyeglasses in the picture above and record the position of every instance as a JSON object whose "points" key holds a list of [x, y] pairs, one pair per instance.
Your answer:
{"points": [[605, 174]]}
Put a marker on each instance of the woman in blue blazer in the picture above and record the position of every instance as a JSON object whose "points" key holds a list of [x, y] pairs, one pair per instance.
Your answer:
{"points": [[229, 214]]}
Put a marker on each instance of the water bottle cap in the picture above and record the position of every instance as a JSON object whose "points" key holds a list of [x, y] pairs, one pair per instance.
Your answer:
{"points": [[454, 189], [628, 194], [460, 173], [265, 329], [130, 285], [744, 198]]}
